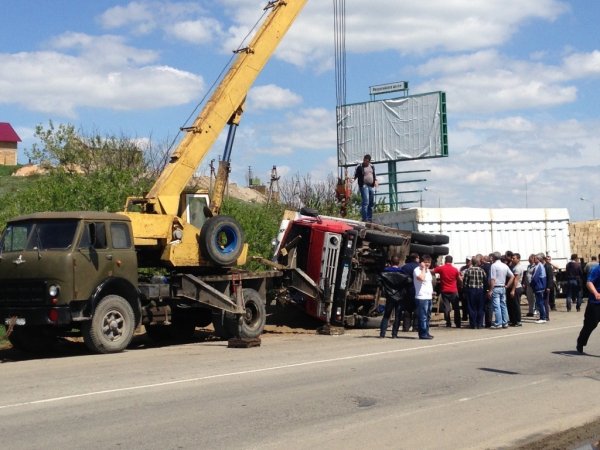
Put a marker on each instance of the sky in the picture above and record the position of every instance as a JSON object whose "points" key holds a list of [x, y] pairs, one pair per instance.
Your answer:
{"points": [[522, 83]]}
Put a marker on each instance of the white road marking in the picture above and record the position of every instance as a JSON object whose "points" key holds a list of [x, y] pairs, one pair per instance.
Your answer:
{"points": [[282, 367]]}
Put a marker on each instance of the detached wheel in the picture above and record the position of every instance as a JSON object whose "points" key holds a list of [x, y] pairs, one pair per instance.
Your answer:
{"points": [[111, 328], [221, 240], [37, 340], [310, 212], [253, 321]]}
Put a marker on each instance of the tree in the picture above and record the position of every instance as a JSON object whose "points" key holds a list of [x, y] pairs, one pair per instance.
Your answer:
{"points": [[84, 173], [302, 191]]}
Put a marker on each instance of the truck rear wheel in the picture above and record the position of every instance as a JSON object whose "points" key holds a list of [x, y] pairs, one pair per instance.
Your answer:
{"points": [[429, 238], [221, 240], [383, 238], [111, 328], [253, 321]]}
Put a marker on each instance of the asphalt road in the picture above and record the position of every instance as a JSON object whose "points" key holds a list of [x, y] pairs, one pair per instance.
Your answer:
{"points": [[464, 389]]}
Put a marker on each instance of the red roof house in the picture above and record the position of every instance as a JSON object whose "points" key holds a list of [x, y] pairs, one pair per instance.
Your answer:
{"points": [[8, 144]]}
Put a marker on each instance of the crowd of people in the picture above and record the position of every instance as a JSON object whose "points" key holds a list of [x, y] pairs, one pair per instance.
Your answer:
{"points": [[486, 291]]}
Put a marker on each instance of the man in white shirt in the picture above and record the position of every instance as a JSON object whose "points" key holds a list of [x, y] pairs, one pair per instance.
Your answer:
{"points": [[423, 281]]}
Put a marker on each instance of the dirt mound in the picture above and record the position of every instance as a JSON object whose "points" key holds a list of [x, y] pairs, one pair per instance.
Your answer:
{"points": [[243, 193], [29, 170]]}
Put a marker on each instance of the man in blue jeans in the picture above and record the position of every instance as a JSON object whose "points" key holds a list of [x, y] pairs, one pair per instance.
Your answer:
{"points": [[592, 311], [538, 285], [501, 278], [423, 281], [367, 182]]}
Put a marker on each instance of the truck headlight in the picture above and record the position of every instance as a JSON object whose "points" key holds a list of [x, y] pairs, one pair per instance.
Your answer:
{"points": [[53, 290]]}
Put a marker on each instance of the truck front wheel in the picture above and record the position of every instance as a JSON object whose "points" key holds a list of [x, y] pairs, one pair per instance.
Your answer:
{"points": [[253, 320], [111, 328]]}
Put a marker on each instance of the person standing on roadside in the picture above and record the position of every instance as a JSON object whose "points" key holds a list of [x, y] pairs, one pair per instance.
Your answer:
{"points": [[423, 281], [395, 286], [589, 266], [574, 274], [367, 182], [516, 290], [527, 286], [549, 298], [499, 274], [538, 284], [591, 316], [410, 317], [464, 304], [450, 279], [487, 307], [473, 287]]}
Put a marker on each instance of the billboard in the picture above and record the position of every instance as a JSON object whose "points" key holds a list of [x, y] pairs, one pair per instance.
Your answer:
{"points": [[407, 128]]}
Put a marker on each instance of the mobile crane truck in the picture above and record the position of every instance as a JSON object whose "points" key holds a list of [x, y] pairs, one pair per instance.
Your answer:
{"points": [[77, 272]]}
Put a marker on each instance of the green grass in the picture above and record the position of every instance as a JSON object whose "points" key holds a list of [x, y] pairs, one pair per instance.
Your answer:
{"points": [[8, 183], [3, 339]]}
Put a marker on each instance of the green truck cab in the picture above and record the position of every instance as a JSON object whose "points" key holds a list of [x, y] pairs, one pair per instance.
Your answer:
{"points": [[69, 272]]}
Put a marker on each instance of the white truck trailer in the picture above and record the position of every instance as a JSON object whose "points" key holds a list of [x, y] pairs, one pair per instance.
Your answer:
{"points": [[483, 230]]}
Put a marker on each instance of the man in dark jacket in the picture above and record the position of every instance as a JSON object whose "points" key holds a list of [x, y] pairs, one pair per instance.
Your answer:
{"points": [[412, 262], [395, 285], [574, 274]]}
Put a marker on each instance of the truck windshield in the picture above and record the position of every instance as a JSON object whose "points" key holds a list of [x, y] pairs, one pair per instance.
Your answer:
{"points": [[30, 235]]}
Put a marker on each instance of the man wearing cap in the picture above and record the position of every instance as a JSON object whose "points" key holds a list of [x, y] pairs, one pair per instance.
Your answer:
{"points": [[367, 182]]}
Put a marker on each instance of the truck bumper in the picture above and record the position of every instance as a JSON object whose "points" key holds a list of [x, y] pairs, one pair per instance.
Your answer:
{"points": [[39, 315]]}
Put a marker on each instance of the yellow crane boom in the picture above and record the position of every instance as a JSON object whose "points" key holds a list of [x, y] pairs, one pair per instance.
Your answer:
{"points": [[159, 222]]}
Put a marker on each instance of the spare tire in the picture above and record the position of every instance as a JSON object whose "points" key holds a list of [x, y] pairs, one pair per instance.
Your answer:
{"points": [[221, 240], [310, 212], [429, 238]]}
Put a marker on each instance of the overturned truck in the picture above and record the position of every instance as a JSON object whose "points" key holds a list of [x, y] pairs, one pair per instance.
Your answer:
{"points": [[330, 266]]}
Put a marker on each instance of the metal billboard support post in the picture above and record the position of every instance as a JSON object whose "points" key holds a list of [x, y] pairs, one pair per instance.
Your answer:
{"points": [[393, 188]]}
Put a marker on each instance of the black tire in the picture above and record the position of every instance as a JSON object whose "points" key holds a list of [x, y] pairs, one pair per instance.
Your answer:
{"points": [[37, 340], [421, 249], [112, 325], [221, 240], [383, 238], [310, 212], [429, 238], [440, 250], [227, 325]]}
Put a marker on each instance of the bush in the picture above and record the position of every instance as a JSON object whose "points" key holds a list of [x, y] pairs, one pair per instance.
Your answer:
{"points": [[260, 223]]}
